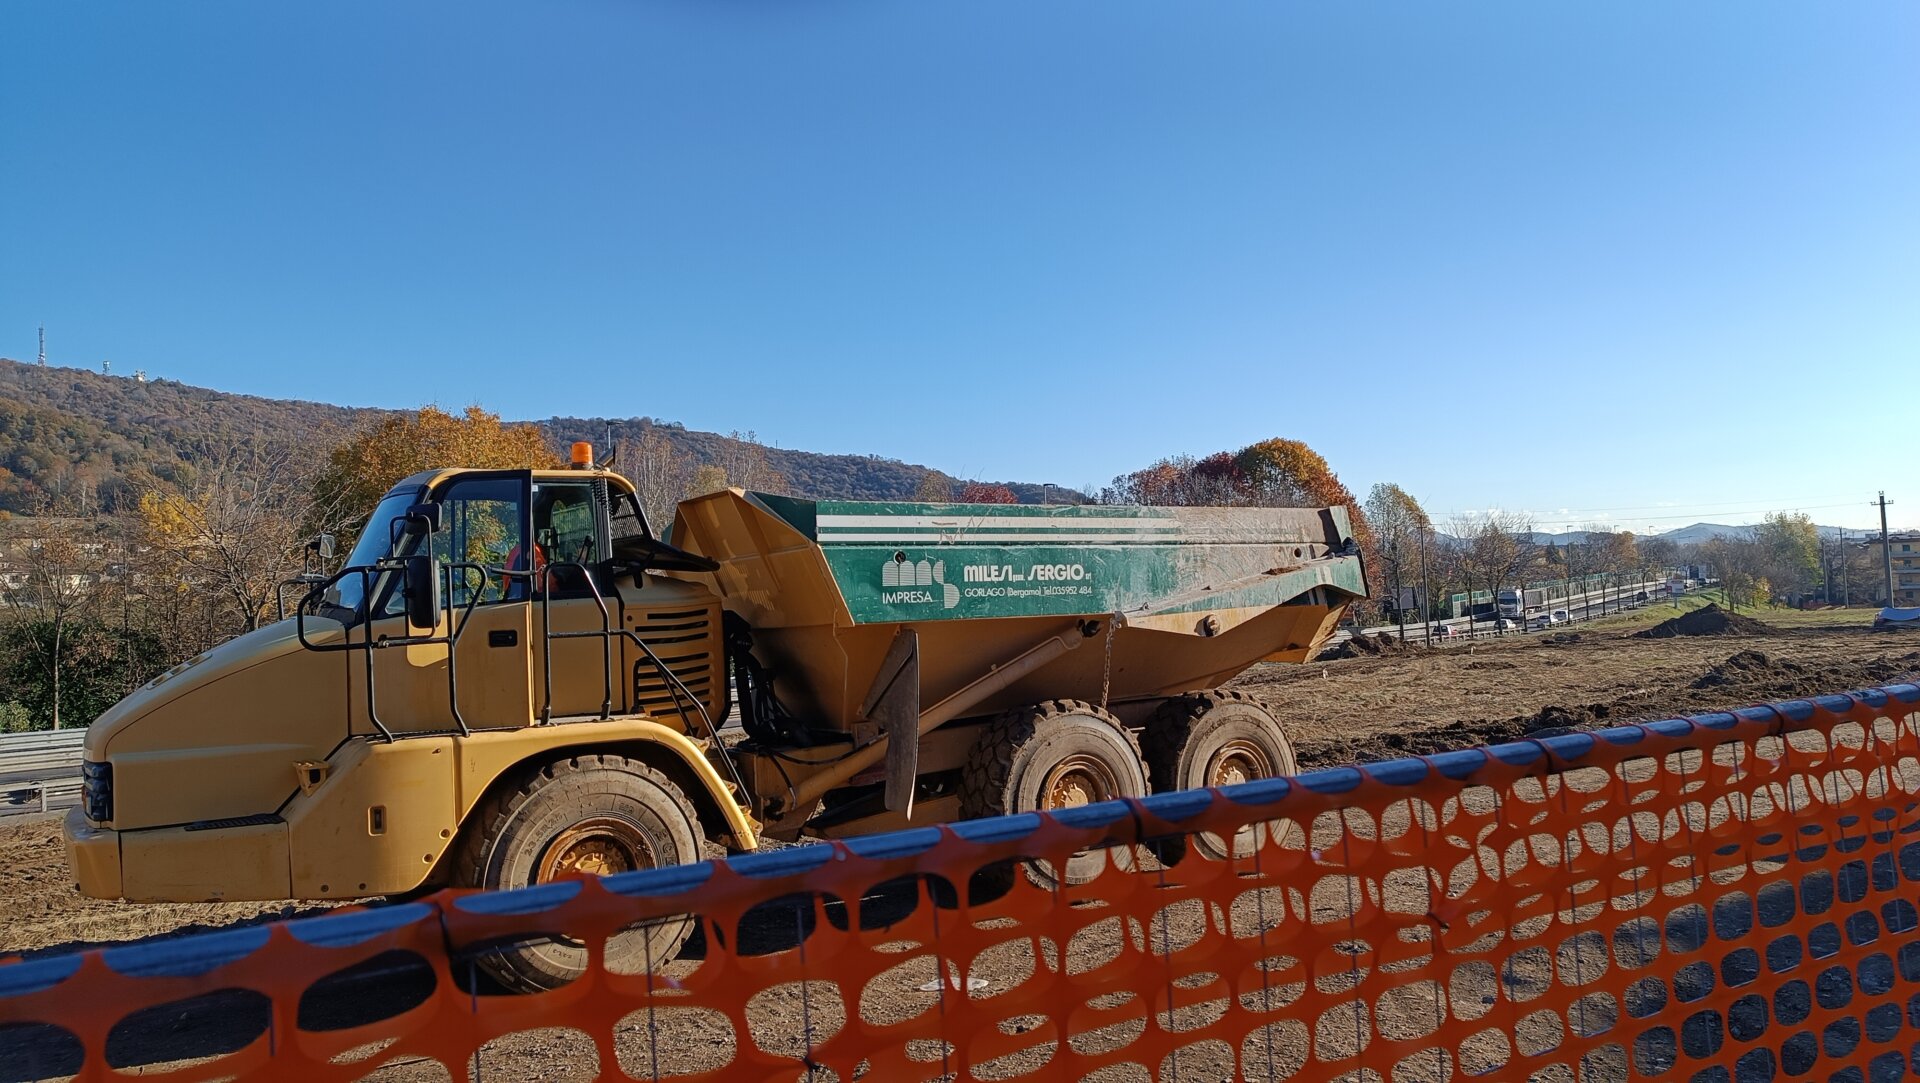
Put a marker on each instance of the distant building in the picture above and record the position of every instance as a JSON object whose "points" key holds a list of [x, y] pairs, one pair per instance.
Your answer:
{"points": [[1905, 550]]}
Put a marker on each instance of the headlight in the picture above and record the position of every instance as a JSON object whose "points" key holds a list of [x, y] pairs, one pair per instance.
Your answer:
{"points": [[96, 791]]}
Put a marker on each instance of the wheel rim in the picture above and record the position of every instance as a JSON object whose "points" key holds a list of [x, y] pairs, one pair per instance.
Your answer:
{"points": [[1078, 780], [600, 846], [1236, 762]]}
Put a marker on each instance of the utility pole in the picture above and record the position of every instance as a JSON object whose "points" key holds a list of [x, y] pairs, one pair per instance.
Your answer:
{"points": [[1886, 549], [1846, 573], [1426, 585]]}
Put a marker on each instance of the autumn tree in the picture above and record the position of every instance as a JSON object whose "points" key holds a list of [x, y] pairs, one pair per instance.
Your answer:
{"points": [[1790, 545], [660, 472], [934, 488], [237, 531], [1657, 554], [745, 464], [1494, 549], [1402, 533], [1741, 564], [362, 468], [1277, 473], [1172, 482], [980, 492], [56, 570]]}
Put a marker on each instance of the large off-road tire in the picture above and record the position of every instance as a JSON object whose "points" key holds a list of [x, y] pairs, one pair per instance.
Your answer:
{"points": [[1053, 755], [1212, 739], [599, 814]]}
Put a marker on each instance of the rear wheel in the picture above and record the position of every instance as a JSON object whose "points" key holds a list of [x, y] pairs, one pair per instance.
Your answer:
{"points": [[595, 815], [1214, 739], [1054, 755]]}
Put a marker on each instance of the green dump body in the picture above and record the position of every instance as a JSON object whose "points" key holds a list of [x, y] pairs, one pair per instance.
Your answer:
{"points": [[1186, 597]]}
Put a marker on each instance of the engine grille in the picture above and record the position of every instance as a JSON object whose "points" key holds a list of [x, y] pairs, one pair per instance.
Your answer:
{"points": [[687, 640]]}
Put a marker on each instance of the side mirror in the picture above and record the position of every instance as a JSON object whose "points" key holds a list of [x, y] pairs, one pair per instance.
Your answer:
{"points": [[321, 546], [423, 519], [421, 583]]}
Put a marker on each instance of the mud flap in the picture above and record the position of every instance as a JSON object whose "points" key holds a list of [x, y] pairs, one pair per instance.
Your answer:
{"points": [[894, 703]]}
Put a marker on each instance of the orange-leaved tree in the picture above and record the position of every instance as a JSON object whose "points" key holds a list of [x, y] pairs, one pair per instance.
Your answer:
{"points": [[979, 492], [1275, 473], [363, 467]]}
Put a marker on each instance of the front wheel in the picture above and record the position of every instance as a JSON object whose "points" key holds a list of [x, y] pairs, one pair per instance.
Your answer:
{"points": [[596, 814]]}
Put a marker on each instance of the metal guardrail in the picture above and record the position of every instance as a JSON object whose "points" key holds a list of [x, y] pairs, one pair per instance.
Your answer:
{"points": [[1464, 630], [40, 770]]}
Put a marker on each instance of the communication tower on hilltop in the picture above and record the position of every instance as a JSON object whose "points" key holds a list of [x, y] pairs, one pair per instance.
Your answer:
{"points": [[106, 368], [43, 345]]}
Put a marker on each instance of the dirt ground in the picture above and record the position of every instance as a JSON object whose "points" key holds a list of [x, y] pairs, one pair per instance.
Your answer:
{"points": [[1338, 712], [1487, 691]]}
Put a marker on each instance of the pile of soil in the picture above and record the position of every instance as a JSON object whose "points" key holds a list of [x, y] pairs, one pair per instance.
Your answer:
{"points": [[1710, 621], [1378, 645], [1425, 739], [1750, 667]]}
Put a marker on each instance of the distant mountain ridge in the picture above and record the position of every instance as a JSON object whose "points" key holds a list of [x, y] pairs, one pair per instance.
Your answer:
{"points": [[1693, 534], [76, 440]]}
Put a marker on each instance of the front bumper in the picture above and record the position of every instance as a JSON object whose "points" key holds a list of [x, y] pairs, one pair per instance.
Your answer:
{"points": [[93, 855]]}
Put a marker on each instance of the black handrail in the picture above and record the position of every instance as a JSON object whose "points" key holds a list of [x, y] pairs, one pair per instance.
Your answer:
{"points": [[542, 581], [455, 630]]}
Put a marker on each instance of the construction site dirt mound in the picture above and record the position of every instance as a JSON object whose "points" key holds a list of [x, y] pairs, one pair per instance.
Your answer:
{"points": [[1708, 621], [1431, 738], [1378, 645], [1748, 667]]}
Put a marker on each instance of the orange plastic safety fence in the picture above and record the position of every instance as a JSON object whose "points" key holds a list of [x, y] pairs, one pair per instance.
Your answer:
{"points": [[1727, 897]]}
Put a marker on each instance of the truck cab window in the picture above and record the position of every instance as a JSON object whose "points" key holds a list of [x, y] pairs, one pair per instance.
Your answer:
{"points": [[481, 522], [566, 530], [628, 521]]}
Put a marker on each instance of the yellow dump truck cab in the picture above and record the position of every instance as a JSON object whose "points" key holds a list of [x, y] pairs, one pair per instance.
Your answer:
{"points": [[349, 750]]}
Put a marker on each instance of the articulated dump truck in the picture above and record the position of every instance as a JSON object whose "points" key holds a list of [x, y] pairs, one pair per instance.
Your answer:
{"points": [[514, 679]]}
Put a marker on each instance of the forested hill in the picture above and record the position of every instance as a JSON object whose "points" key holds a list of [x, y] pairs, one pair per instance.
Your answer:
{"points": [[75, 442]]}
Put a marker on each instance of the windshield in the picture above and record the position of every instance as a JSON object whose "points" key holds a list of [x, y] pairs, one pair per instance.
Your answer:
{"points": [[375, 544]]}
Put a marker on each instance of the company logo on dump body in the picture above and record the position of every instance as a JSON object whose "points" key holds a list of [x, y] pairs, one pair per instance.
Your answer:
{"points": [[1038, 573], [904, 581], [907, 582]]}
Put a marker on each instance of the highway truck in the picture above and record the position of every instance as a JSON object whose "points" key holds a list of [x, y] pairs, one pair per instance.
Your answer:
{"points": [[514, 678], [1518, 605]]}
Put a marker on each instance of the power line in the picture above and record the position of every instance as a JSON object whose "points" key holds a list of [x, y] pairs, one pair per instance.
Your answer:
{"points": [[1728, 507], [1576, 519]]}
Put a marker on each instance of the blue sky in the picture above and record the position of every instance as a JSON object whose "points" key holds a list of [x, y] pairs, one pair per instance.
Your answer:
{"points": [[1639, 263]]}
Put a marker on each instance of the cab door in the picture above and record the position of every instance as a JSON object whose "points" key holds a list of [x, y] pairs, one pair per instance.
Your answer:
{"points": [[569, 520], [483, 523]]}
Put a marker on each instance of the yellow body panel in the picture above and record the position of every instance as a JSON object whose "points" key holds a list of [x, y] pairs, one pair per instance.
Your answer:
{"points": [[378, 824], [93, 856], [169, 864], [218, 737]]}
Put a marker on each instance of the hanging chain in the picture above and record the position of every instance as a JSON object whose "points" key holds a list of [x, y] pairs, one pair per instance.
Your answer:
{"points": [[1106, 670]]}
